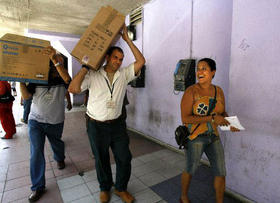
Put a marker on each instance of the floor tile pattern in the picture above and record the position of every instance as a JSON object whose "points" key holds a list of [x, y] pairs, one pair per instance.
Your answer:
{"points": [[154, 178], [201, 188]]}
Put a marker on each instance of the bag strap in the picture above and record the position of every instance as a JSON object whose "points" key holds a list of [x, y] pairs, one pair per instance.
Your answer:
{"points": [[213, 104], [210, 109]]}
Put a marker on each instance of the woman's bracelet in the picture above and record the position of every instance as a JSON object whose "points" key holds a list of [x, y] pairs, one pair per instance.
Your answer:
{"points": [[86, 67]]}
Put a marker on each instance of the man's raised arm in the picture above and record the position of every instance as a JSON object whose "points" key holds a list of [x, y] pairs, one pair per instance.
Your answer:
{"points": [[75, 84], [139, 58]]}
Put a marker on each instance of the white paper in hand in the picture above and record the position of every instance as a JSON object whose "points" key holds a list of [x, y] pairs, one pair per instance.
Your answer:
{"points": [[234, 122]]}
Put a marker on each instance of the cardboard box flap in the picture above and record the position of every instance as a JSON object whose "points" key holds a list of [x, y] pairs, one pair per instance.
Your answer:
{"points": [[25, 40]]}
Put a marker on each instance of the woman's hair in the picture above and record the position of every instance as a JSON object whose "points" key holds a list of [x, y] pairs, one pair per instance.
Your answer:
{"points": [[210, 62]]}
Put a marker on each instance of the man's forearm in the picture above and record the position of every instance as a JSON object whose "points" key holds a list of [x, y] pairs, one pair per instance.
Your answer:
{"points": [[75, 85], [139, 58], [137, 54], [57, 59]]}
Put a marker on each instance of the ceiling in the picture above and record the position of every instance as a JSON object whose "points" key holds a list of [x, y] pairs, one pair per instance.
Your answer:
{"points": [[65, 16]]}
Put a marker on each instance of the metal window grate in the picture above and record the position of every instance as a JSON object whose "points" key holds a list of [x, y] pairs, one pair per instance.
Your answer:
{"points": [[136, 16]]}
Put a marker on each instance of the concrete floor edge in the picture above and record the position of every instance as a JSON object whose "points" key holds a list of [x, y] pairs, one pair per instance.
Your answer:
{"points": [[228, 191]]}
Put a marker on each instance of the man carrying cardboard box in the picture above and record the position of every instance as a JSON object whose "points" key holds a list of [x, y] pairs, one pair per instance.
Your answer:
{"points": [[46, 119], [105, 127]]}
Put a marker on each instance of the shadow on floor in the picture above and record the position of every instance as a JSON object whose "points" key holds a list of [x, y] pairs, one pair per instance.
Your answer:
{"points": [[201, 188]]}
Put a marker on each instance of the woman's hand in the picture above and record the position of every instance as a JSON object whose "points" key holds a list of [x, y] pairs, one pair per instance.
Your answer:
{"points": [[220, 120]]}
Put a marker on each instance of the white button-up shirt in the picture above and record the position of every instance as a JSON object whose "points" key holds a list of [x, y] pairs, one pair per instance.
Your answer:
{"points": [[100, 94]]}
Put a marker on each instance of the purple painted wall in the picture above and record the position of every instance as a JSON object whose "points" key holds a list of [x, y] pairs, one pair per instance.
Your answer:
{"points": [[243, 37], [155, 110], [253, 156]]}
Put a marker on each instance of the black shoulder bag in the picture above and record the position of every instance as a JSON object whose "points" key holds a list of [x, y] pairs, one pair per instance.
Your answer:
{"points": [[7, 97], [182, 133]]}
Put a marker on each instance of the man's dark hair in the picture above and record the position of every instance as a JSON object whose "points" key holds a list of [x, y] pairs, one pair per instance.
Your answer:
{"points": [[111, 49], [210, 62]]}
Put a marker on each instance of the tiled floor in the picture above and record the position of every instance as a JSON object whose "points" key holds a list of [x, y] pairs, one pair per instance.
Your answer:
{"points": [[201, 188], [147, 170], [153, 167]]}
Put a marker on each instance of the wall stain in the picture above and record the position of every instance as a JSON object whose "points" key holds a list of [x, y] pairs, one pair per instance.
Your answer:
{"points": [[161, 119], [155, 117], [244, 45]]}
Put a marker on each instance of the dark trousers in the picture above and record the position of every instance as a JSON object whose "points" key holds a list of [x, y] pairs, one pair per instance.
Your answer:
{"points": [[37, 134], [26, 108], [114, 135]]}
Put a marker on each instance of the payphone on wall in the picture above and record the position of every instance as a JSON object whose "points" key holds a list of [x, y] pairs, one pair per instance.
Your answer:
{"points": [[184, 74]]}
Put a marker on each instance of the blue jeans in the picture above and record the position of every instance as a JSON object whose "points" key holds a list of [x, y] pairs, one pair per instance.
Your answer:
{"points": [[37, 133], [26, 108], [114, 135], [212, 146]]}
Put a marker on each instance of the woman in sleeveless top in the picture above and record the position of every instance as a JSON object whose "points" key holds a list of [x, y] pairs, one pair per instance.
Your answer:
{"points": [[198, 106]]}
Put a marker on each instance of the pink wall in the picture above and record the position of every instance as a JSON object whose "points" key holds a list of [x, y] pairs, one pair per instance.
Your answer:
{"points": [[243, 37], [253, 157], [155, 110]]}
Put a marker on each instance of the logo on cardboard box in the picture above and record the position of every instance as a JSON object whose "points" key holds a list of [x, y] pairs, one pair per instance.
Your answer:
{"points": [[9, 50]]}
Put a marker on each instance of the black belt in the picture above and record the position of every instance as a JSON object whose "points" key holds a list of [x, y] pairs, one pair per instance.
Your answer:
{"points": [[107, 121]]}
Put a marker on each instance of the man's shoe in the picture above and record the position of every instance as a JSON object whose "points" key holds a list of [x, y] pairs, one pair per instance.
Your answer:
{"points": [[125, 196], [7, 137], [23, 121], [104, 196], [60, 165], [35, 195]]}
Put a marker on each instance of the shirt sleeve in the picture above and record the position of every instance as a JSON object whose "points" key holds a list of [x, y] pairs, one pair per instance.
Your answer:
{"points": [[86, 82], [130, 73]]}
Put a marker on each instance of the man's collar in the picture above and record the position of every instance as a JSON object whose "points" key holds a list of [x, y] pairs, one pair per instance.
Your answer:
{"points": [[102, 70], [104, 73]]}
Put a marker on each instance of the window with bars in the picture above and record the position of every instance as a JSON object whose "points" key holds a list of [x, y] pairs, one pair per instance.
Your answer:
{"points": [[135, 16]]}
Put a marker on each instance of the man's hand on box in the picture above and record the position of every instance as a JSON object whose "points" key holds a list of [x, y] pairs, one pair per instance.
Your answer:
{"points": [[125, 34], [50, 51]]}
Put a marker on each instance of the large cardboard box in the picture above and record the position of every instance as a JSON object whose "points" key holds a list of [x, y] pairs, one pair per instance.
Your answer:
{"points": [[21, 59], [98, 37]]}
